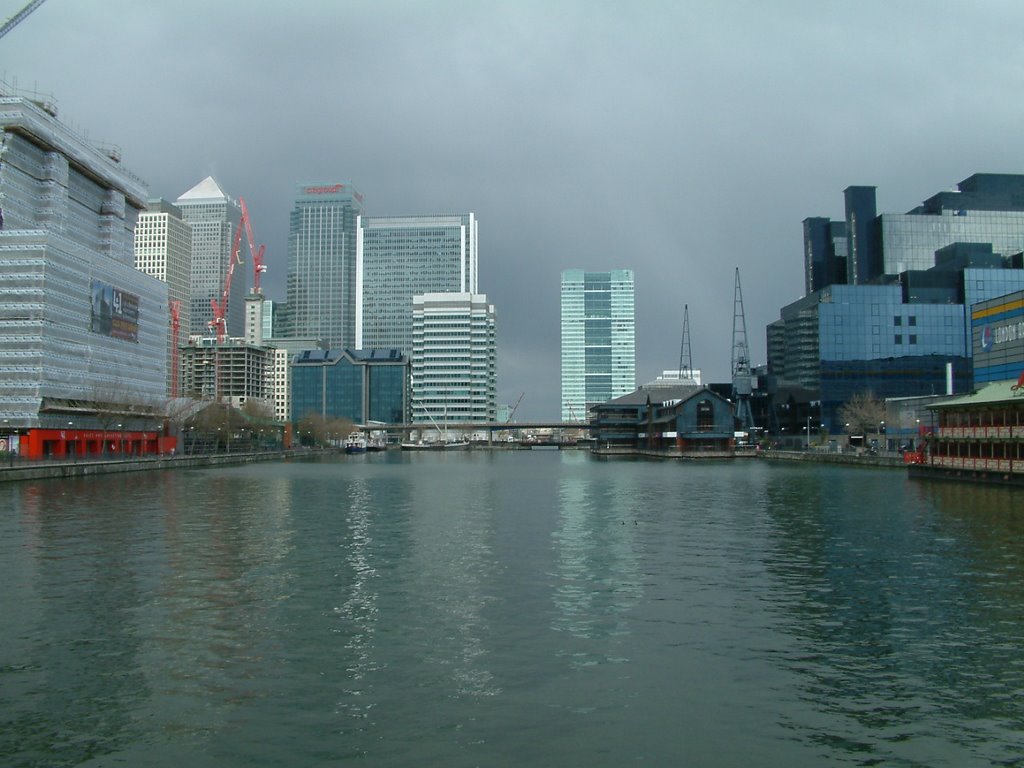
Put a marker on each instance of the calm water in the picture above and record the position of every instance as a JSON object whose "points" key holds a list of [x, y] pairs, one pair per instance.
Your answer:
{"points": [[522, 608]]}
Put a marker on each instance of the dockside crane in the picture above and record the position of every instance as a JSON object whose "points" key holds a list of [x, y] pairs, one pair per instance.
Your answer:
{"points": [[741, 373], [685, 356]]}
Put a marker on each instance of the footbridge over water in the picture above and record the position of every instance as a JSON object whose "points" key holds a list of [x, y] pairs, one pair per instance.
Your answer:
{"points": [[534, 432]]}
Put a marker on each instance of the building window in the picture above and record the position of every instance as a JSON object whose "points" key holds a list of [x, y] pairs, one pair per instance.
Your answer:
{"points": [[898, 339], [897, 321], [913, 338]]}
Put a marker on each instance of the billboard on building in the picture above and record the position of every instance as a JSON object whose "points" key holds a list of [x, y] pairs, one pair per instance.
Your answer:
{"points": [[115, 313]]}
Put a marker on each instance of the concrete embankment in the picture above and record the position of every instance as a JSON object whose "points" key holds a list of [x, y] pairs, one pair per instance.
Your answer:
{"points": [[824, 457], [46, 470], [814, 457]]}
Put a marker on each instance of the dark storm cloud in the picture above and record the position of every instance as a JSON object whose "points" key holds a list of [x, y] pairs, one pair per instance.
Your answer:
{"points": [[680, 140]]}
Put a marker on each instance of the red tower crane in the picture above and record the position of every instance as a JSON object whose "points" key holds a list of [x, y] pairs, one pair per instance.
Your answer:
{"points": [[219, 323], [259, 266], [175, 307]]}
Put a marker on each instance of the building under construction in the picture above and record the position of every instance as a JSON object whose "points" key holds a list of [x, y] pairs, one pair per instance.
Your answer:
{"points": [[232, 371], [82, 332]]}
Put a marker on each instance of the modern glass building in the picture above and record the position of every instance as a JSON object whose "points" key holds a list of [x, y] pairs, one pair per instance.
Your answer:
{"points": [[362, 386], [83, 333], [905, 312], [321, 290], [213, 217], [399, 257], [454, 359], [163, 249], [598, 339]]}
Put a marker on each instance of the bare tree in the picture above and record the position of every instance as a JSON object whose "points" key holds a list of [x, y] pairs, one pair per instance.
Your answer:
{"points": [[863, 413]]}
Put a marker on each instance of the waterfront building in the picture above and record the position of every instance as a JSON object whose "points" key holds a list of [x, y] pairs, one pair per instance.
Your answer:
{"points": [[902, 313], [214, 218], [399, 257], [454, 359], [997, 328], [163, 249], [687, 419], [321, 287], [83, 333], [978, 437], [361, 386], [598, 339]]}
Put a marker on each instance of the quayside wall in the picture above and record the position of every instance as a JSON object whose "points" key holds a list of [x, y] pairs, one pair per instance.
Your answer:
{"points": [[46, 470]]}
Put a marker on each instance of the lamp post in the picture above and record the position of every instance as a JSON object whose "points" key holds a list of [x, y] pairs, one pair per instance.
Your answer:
{"points": [[120, 440], [10, 442], [808, 433], [72, 445], [881, 431]]}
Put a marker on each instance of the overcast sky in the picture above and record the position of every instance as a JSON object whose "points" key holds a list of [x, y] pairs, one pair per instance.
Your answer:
{"points": [[680, 140]]}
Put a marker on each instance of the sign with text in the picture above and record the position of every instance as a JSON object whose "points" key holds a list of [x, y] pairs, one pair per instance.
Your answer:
{"points": [[115, 313]]}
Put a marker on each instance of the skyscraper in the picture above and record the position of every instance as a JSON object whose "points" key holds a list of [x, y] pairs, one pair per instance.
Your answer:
{"points": [[399, 257], [163, 249], [213, 217], [321, 291], [453, 358], [598, 339]]}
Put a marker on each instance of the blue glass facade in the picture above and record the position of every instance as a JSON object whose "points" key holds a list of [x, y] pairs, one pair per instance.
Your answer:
{"points": [[905, 313], [361, 386]]}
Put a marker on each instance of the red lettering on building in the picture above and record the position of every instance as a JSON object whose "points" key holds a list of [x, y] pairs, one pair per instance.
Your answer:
{"points": [[323, 190]]}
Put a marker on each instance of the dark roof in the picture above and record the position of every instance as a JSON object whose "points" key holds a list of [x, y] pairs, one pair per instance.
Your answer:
{"points": [[658, 394]]}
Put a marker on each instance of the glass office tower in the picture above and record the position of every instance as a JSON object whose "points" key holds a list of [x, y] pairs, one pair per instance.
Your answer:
{"points": [[399, 257], [321, 291], [598, 339]]}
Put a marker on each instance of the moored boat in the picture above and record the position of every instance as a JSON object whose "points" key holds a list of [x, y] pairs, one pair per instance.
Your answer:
{"points": [[355, 443]]}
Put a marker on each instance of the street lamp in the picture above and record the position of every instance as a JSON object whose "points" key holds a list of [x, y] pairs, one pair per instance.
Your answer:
{"points": [[808, 433], [120, 440], [10, 442], [72, 445]]}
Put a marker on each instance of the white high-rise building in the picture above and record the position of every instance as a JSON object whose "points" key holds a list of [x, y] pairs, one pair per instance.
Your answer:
{"points": [[598, 339], [163, 249], [398, 257], [214, 218], [454, 358]]}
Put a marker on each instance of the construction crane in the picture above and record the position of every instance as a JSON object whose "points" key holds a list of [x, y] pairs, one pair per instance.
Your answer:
{"points": [[219, 323], [259, 266], [19, 17], [685, 356], [175, 308], [741, 374], [515, 407]]}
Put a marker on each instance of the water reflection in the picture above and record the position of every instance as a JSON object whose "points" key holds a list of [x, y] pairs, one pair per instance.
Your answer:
{"points": [[899, 599], [595, 546]]}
